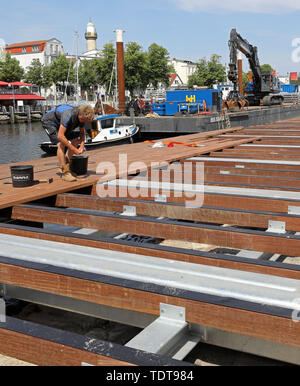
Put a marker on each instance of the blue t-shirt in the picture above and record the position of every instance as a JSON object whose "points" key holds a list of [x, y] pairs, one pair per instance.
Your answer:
{"points": [[64, 115]]}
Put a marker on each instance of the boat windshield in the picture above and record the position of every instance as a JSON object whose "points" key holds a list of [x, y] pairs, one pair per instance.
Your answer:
{"points": [[107, 123]]}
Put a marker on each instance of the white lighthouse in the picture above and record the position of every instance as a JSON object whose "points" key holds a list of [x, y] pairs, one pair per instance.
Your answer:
{"points": [[91, 37]]}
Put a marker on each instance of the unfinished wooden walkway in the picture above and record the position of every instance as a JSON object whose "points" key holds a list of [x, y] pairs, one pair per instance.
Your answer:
{"points": [[235, 190]]}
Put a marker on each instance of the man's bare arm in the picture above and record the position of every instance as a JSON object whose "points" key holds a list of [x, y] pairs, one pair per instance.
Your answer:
{"points": [[61, 136]]}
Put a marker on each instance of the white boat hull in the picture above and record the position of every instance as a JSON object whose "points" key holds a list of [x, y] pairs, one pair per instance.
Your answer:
{"points": [[109, 136]]}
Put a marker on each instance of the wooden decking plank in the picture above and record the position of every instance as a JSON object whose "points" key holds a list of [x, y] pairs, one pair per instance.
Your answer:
{"points": [[225, 237], [140, 152], [211, 199], [184, 175], [203, 214]]}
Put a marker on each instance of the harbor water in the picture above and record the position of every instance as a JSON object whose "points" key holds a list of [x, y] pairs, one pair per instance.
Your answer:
{"points": [[20, 142]]}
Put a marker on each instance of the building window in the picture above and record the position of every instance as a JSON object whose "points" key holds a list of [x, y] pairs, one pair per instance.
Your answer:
{"points": [[35, 48], [24, 50]]}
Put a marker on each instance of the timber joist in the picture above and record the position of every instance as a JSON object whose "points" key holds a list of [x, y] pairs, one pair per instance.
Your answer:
{"points": [[255, 219], [167, 229], [226, 178], [260, 306], [235, 191], [47, 346]]}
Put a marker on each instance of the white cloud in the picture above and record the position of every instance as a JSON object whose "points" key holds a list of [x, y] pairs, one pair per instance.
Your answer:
{"points": [[230, 6]]}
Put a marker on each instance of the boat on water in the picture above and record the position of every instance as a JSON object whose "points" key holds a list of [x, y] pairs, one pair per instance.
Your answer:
{"points": [[104, 131]]}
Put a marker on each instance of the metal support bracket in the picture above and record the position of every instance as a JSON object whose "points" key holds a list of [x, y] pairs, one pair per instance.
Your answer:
{"points": [[294, 210], [2, 289], [2, 311], [129, 211], [160, 198], [276, 227], [2, 304], [168, 335]]}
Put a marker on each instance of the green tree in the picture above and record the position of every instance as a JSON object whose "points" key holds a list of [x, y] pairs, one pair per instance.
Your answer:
{"points": [[34, 73], [62, 70], [10, 69], [159, 69], [266, 68], [47, 80], [39, 74], [87, 73], [208, 72], [136, 68], [104, 67]]}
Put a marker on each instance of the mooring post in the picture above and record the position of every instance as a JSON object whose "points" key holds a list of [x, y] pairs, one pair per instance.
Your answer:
{"points": [[120, 69], [28, 113], [12, 114]]}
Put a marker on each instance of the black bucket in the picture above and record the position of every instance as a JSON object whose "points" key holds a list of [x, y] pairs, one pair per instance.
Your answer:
{"points": [[79, 164], [22, 176]]}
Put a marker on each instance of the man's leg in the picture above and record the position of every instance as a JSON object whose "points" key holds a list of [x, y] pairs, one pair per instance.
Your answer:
{"points": [[64, 166], [61, 154]]}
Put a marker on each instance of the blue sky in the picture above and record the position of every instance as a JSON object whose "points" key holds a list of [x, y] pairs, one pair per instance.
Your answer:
{"points": [[188, 29]]}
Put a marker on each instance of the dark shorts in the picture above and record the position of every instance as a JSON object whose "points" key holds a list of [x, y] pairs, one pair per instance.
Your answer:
{"points": [[52, 131]]}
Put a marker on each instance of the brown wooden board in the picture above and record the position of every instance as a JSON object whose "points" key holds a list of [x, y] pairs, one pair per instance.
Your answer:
{"points": [[203, 310], [48, 346], [167, 229], [252, 172], [278, 182], [180, 254], [179, 211], [237, 201], [275, 165], [139, 156]]}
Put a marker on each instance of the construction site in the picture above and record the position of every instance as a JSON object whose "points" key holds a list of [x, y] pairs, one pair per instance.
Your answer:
{"points": [[213, 254], [179, 250]]}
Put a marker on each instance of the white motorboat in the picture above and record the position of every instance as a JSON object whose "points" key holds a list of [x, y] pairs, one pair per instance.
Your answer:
{"points": [[104, 131]]}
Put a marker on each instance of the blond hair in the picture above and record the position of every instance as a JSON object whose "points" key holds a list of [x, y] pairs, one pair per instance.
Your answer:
{"points": [[86, 112]]}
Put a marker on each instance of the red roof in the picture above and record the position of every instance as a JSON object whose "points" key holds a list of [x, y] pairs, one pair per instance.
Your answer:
{"points": [[3, 83], [20, 84], [37, 42], [172, 78], [10, 97], [26, 47]]}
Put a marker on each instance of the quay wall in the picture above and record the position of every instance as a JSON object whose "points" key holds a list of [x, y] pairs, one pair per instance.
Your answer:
{"points": [[215, 121], [182, 124]]}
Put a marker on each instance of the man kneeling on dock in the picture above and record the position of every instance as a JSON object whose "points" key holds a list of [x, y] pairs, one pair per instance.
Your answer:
{"points": [[59, 124]]}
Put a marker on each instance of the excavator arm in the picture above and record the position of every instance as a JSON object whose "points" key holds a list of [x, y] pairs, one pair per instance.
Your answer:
{"points": [[236, 43], [264, 84]]}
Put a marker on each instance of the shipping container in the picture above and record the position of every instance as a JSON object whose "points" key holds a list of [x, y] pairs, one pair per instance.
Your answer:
{"points": [[291, 88], [189, 101]]}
